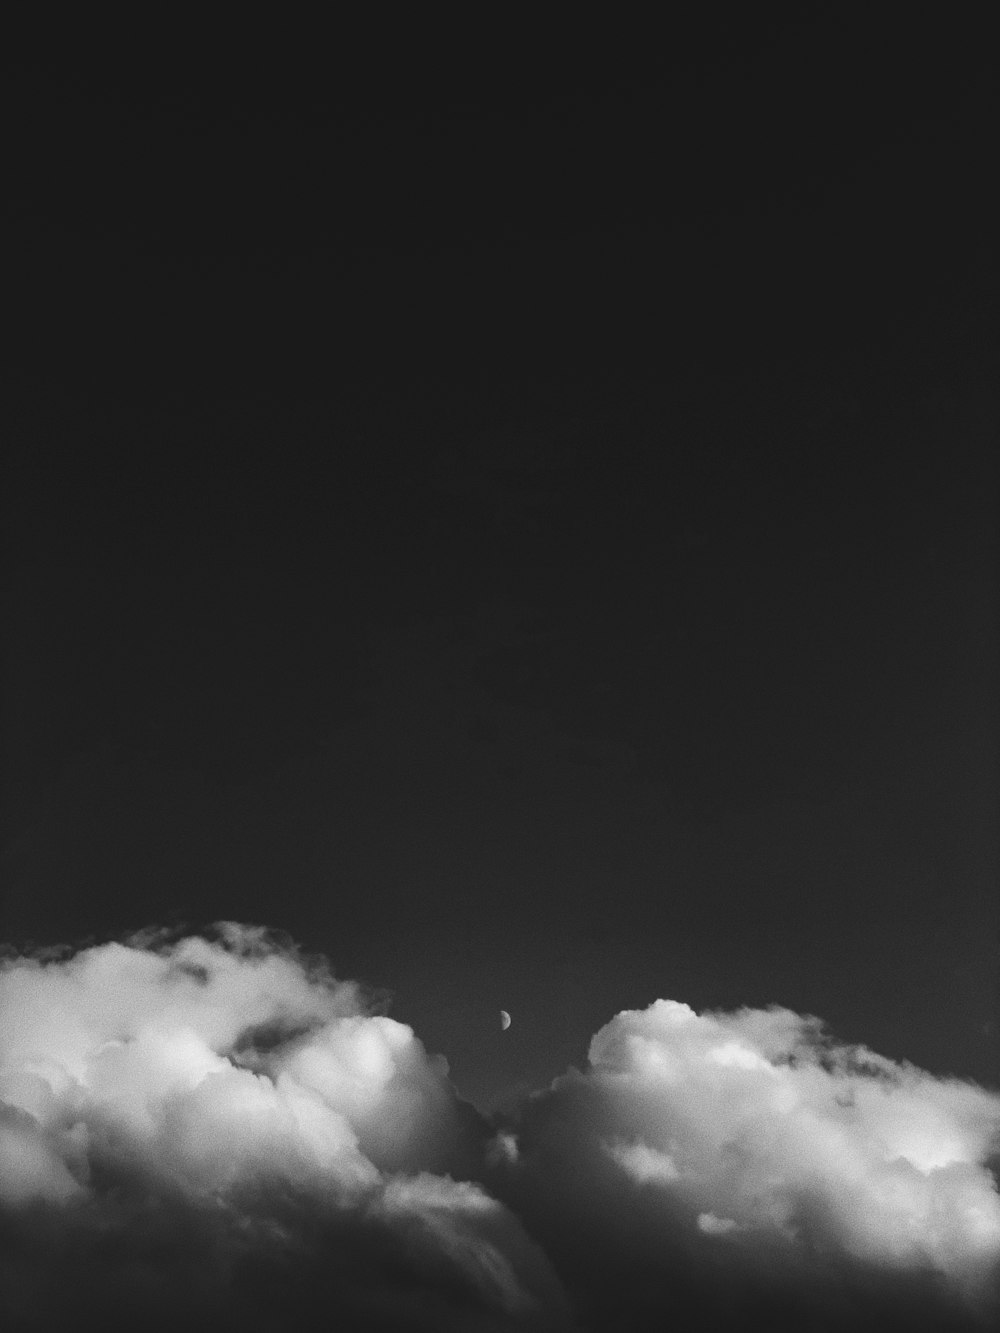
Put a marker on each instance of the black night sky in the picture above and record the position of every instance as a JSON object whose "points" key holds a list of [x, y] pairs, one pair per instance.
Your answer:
{"points": [[516, 514]]}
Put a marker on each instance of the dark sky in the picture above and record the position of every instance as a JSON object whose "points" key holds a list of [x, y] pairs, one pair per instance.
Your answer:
{"points": [[517, 514]]}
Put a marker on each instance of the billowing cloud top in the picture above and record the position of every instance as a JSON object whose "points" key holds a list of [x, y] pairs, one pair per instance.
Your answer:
{"points": [[220, 1132], [217, 1131], [747, 1152]]}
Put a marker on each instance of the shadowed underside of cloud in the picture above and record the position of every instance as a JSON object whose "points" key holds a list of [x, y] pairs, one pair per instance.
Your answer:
{"points": [[217, 1132]]}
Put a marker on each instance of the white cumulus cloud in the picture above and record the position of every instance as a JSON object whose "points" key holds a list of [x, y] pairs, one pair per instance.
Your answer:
{"points": [[829, 1167], [217, 1133]]}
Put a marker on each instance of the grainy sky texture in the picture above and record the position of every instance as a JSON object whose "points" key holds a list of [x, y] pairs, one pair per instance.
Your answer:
{"points": [[513, 512]]}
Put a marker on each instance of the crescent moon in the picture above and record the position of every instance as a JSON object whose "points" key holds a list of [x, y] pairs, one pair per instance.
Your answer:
{"points": [[504, 1020]]}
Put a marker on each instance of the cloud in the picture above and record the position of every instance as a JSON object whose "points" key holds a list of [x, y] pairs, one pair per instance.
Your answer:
{"points": [[216, 1132], [746, 1157]]}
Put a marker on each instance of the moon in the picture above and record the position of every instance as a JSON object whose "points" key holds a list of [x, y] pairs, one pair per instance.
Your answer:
{"points": [[504, 1020]]}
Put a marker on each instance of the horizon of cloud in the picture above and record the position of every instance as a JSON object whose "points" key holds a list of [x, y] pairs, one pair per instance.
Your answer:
{"points": [[215, 1129]]}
